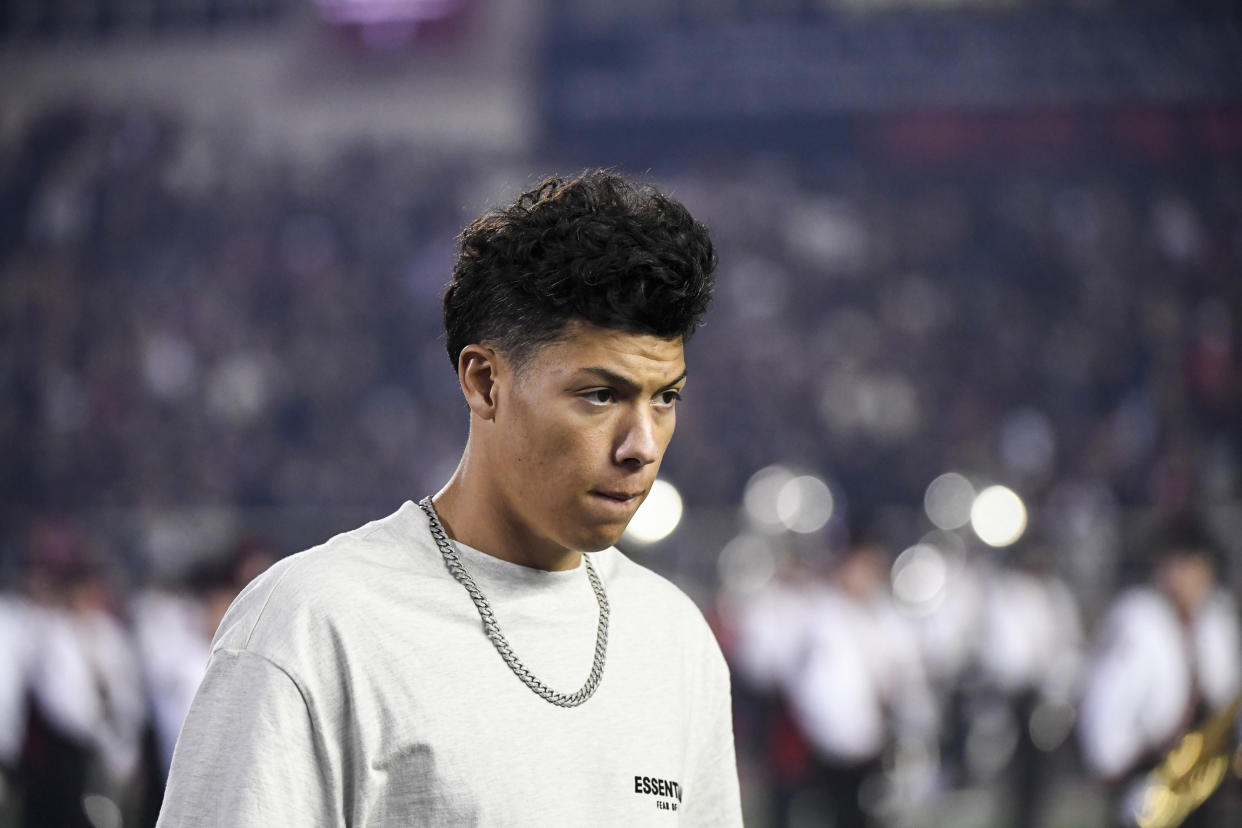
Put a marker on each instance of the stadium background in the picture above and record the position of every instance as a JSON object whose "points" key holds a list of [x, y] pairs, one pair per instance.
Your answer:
{"points": [[1000, 239]]}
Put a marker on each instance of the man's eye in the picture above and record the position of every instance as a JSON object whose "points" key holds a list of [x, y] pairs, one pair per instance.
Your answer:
{"points": [[669, 398], [600, 396]]}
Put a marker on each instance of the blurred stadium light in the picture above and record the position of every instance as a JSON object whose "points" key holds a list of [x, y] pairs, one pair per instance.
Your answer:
{"points": [[658, 515], [948, 499], [747, 564], [998, 516], [919, 577], [761, 495], [804, 504]]}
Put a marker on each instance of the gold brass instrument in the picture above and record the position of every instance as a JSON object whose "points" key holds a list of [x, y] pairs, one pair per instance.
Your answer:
{"points": [[1191, 771]]}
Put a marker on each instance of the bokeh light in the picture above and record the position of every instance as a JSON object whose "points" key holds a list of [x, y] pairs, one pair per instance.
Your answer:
{"points": [[998, 516], [948, 500], [659, 515], [804, 504], [919, 579], [746, 564], [760, 497]]}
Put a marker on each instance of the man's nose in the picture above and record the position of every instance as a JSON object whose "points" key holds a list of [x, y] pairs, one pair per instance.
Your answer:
{"points": [[639, 441]]}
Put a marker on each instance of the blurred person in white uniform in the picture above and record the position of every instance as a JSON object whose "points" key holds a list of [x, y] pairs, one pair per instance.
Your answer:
{"points": [[174, 628], [949, 627], [767, 626], [1168, 653], [765, 645], [15, 657], [87, 708], [1030, 660], [860, 687]]}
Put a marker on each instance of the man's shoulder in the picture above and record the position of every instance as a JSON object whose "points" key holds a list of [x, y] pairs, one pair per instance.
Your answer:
{"points": [[1139, 620], [632, 575], [1140, 605], [324, 585], [661, 601]]}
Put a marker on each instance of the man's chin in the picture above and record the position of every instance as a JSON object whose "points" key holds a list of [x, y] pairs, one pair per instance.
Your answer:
{"points": [[602, 538]]}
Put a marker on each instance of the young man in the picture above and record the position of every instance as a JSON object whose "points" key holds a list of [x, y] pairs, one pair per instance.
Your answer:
{"points": [[463, 662]]}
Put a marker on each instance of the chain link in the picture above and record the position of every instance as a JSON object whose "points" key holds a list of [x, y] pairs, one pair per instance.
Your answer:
{"points": [[492, 627]]}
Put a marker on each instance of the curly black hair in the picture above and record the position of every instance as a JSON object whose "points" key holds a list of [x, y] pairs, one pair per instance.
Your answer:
{"points": [[593, 248]]}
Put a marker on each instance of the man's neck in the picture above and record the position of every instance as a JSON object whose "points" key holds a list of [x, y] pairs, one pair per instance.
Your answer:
{"points": [[471, 517]]}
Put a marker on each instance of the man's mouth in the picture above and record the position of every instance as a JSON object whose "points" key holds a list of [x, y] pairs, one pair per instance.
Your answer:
{"points": [[618, 497]]}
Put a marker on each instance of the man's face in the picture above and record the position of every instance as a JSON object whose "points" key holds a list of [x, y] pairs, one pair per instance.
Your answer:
{"points": [[1187, 577], [579, 433]]}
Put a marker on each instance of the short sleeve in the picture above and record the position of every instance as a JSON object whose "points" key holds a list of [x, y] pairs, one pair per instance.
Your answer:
{"points": [[712, 797], [250, 753]]}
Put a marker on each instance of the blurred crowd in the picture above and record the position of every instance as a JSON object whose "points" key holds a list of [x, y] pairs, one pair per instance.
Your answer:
{"points": [[994, 704], [95, 682], [187, 324]]}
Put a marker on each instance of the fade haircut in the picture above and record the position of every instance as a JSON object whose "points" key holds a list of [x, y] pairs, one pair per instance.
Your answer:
{"points": [[592, 248]]}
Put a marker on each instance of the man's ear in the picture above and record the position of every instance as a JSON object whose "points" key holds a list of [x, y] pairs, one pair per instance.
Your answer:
{"points": [[477, 367]]}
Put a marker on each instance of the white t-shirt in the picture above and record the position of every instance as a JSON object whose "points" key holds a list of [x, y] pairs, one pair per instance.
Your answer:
{"points": [[352, 684]]}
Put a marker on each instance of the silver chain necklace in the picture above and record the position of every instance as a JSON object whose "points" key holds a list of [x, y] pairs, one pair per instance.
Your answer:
{"points": [[492, 627]]}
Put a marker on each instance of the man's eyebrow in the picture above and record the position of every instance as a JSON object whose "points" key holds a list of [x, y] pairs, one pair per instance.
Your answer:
{"points": [[625, 383]]}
